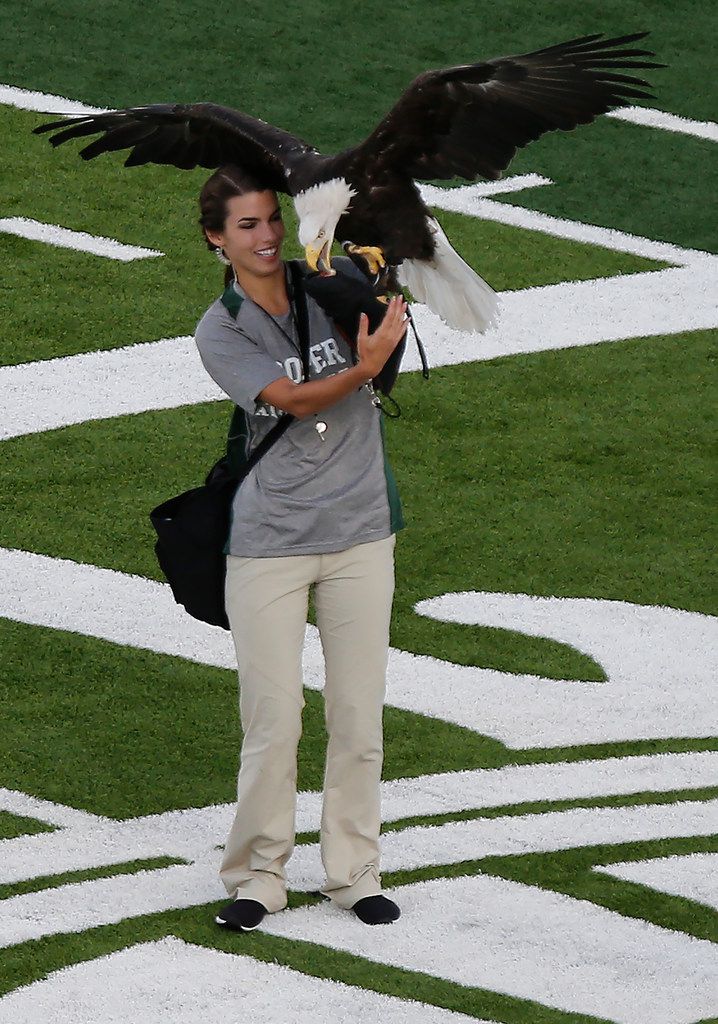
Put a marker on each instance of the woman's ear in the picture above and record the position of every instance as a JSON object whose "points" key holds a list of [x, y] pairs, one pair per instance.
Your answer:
{"points": [[214, 238]]}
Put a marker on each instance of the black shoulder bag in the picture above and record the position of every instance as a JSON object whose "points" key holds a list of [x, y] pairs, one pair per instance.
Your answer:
{"points": [[192, 528]]}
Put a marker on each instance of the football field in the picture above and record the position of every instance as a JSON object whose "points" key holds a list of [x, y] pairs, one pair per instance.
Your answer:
{"points": [[550, 794]]}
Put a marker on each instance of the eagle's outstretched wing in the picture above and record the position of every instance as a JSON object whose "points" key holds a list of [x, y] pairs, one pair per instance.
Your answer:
{"points": [[470, 120], [188, 135]]}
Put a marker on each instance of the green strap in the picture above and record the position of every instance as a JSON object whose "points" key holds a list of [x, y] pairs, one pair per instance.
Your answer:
{"points": [[231, 300], [396, 516], [237, 441]]}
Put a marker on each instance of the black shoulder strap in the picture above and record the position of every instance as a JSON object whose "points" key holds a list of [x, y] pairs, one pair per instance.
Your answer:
{"points": [[299, 298]]}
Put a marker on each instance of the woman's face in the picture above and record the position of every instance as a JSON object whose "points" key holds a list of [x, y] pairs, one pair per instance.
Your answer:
{"points": [[253, 234]]}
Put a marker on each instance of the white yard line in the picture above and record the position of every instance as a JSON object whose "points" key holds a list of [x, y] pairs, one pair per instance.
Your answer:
{"points": [[578, 313], [448, 792], [660, 668], [109, 843], [471, 200], [81, 241], [529, 944], [91, 841], [172, 980], [692, 877], [29, 99], [81, 905], [110, 605], [76, 906], [514, 183], [46, 811], [648, 117], [53, 393], [661, 665], [423, 846], [94, 385], [661, 662]]}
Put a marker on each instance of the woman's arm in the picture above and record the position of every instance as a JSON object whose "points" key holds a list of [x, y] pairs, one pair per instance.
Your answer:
{"points": [[373, 350]]}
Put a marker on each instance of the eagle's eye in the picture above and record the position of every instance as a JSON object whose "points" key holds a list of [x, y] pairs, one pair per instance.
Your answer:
{"points": [[321, 233]]}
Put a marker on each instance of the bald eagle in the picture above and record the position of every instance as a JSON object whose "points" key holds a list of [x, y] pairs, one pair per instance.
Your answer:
{"points": [[465, 121]]}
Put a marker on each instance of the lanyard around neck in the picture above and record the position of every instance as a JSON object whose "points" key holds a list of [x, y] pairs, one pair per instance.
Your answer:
{"points": [[279, 327], [293, 310]]}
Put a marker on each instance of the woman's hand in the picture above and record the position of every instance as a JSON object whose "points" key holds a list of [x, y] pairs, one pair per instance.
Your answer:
{"points": [[373, 350]]}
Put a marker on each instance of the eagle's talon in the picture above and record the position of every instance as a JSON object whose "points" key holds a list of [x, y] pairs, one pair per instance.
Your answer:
{"points": [[371, 254]]}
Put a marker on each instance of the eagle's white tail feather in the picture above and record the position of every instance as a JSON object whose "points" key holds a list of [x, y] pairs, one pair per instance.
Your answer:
{"points": [[449, 287]]}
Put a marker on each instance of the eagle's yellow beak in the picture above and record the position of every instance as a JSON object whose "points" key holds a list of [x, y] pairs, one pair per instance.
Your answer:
{"points": [[320, 259]]}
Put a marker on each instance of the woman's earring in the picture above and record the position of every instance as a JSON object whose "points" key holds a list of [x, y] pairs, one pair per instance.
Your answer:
{"points": [[219, 253]]}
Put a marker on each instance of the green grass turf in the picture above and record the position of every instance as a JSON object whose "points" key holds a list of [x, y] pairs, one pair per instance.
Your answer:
{"points": [[111, 709], [576, 473], [13, 825], [621, 191], [564, 871], [652, 462], [283, 64], [277, 56], [66, 301], [568, 871], [571, 872], [131, 730]]}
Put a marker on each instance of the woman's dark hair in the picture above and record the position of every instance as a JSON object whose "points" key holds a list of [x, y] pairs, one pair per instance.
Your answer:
{"points": [[226, 182]]}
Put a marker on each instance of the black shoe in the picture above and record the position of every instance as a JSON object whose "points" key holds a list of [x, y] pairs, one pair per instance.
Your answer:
{"points": [[241, 915], [376, 910]]}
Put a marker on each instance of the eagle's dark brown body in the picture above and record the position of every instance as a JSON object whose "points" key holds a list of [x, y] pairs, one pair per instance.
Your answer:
{"points": [[391, 216]]}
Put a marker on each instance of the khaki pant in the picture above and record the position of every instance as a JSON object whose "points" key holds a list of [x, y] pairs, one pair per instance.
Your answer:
{"points": [[266, 602]]}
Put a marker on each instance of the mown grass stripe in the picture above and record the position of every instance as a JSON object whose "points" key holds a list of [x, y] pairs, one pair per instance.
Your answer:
{"points": [[13, 825]]}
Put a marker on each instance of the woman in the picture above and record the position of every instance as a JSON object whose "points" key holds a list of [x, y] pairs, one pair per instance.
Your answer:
{"points": [[317, 510]]}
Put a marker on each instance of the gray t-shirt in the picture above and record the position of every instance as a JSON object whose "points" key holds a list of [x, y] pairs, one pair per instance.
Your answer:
{"points": [[305, 495]]}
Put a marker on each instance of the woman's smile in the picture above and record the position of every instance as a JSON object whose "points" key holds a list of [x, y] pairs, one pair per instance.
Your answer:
{"points": [[269, 253]]}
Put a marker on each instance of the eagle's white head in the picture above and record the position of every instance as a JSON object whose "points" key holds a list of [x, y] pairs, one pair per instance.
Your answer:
{"points": [[319, 209]]}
